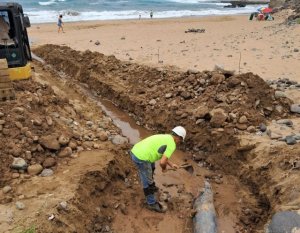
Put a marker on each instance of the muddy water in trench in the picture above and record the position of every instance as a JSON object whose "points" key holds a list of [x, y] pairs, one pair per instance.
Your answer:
{"points": [[224, 194]]}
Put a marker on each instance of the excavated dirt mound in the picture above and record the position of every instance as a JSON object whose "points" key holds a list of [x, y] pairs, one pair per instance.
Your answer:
{"points": [[214, 106]]}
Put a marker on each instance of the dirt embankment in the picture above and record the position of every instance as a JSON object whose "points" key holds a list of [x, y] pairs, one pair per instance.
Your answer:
{"points": [[214, 106]]}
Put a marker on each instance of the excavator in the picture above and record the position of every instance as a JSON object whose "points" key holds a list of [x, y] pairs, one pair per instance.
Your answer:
{"points": [[15, 54]]}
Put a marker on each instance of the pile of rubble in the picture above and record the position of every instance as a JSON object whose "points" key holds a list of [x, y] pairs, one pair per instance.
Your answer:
{"points": [[40, 128]]}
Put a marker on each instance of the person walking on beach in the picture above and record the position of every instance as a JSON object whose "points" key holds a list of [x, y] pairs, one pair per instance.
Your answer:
{"points": [[151, 149], [60, 24], [151, 14]]}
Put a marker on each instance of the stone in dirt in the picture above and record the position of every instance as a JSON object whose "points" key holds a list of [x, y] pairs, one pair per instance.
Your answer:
{"points": [[47, 172], [49, 162], [6, 189], [295, 108], [20, 205], [65, 152], [19, 163], [50, 142], [119, 140], [34, 169], [290, 140], [218, 117]]}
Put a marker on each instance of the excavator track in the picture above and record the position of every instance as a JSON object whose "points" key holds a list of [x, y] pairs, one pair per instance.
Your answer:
{"points": [[6, 89]]}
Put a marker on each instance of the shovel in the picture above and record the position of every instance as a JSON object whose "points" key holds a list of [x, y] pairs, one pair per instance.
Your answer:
{"points": [[188, 167]]}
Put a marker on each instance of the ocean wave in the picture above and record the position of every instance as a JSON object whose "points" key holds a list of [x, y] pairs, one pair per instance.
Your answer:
{"points": [[51, 2], [51, 16], [192, 1]]}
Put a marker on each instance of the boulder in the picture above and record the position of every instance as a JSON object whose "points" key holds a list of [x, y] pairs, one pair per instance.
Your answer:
{"points": [[119, 140], [34, 169], [50, 142], [65, 152], [201, 112], [295, 108], [49, 162], [63, 140], [19, 163], [218, 117]]}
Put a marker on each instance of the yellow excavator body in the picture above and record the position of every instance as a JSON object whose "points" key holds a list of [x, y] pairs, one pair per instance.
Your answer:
{"points": [[19, 73]]}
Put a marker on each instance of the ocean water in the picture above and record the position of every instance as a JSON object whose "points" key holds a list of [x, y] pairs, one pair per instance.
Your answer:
{"points": [[42, 11]]}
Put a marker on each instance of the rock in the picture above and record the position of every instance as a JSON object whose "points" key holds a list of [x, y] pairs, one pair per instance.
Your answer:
{"points": [[73, 145], [262, 127], [65, 152], [49, 162], [15, 175], [287, 122], [251, 129], [284, 221], [218, 117], [274, 135], [243, 120], [34, 169], [201, 112], [49, 120], [119, 140], [296, 50], [2, 122], [217, 79], [152, 102], [63, 206], [295, 108], [186, 95], [37, 121], [242, 126], [168, 95], [63, 140], [47, 172], [191, 71], [18, 110], [290, 140], [19, 125], [50, 142], [89, 123], [97, 43], [20, 205], [102, 135], [1, 114], [279, 94], [6, 189], [19, 164]]}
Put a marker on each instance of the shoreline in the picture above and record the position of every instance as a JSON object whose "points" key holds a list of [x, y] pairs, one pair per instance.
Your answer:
{"points": [[267, 47], [143, 19]]}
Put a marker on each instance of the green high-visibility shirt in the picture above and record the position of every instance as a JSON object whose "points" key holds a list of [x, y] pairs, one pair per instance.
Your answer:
{"points": [[154, 147]]}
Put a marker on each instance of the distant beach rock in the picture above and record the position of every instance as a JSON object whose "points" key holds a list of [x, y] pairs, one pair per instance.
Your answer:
{"points": [[72, 13]]}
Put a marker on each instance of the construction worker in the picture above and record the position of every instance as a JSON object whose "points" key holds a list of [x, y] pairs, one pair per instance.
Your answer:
{"points": [[151, 149]]}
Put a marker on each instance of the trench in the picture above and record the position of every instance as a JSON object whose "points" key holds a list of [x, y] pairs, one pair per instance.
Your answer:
{"points": [[229, 194], [193, 181]]}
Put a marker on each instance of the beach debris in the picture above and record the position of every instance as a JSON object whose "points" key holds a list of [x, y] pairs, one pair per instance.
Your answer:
{"points": [[193, 30]]}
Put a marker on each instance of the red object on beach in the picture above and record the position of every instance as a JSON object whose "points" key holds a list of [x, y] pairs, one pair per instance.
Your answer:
{"points": [[267, 10]]}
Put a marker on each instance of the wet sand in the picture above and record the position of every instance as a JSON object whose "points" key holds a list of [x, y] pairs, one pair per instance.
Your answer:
{"points": [[269, 48]]}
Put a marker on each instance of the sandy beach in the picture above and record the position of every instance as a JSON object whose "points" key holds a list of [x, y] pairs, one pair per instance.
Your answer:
{"points": [[268, 48]]}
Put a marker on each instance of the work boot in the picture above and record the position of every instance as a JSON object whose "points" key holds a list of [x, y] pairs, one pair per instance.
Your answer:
{"points": [[157, 207], [153, 188]]}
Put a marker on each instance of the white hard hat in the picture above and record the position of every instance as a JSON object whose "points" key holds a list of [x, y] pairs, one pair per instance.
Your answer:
{"points": [[179, 131]]}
